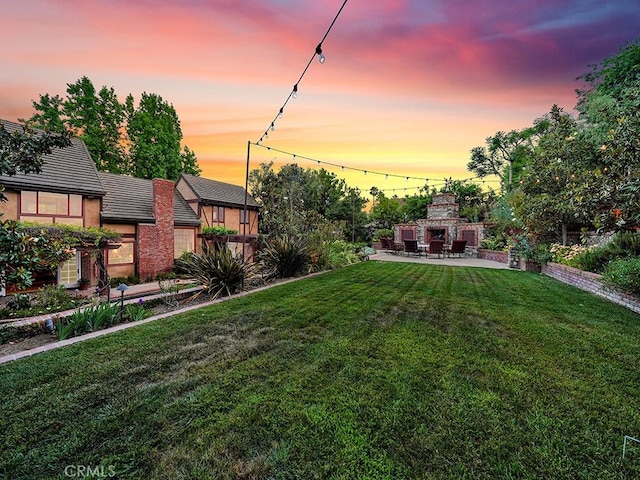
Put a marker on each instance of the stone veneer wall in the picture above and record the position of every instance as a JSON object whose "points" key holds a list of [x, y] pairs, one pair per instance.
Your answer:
{"points": [[592, 283]]}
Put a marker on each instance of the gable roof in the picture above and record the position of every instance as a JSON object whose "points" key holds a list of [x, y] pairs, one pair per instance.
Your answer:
{"points": [[218, 193], [130, 200], [65, 170]]}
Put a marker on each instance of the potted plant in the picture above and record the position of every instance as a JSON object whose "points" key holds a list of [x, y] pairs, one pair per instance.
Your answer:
{"points": [[83, 283]]}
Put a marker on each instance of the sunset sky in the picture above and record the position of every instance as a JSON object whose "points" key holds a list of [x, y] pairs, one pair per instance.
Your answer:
{"points": [[408, 86]]}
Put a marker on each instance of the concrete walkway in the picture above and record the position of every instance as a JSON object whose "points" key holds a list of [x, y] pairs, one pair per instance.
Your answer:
{"points": [[433, 260]]}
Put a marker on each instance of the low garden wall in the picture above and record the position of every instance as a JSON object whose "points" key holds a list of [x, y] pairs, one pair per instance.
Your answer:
{"points": [[592, 283], [495, 255]]}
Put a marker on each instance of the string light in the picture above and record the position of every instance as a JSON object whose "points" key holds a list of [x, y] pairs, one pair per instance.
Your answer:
{"points": [[321, 58], [295, 156]]}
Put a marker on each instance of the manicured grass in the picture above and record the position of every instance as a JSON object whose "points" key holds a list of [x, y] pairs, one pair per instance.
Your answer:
{"points": [[379, 370]]}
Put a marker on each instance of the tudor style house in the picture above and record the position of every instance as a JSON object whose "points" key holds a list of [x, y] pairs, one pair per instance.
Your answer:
{"points": [[157, 219]]}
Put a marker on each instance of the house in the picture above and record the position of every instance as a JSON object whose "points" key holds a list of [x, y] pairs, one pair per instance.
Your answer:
{"points": [[219, 204], [156, 221]]}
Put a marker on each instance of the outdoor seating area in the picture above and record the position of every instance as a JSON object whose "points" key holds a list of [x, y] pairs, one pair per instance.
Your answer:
{"points": [[437, 248]]}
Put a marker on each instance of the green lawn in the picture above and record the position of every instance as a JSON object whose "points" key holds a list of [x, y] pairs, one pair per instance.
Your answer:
{"points": [[379, 370]]}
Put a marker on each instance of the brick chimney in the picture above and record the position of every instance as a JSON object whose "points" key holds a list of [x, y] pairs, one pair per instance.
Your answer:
{"points": [[155, 241]]}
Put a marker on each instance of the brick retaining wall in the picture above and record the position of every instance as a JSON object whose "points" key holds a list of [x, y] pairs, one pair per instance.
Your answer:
{"points": [[495, 255], [592, 283]]}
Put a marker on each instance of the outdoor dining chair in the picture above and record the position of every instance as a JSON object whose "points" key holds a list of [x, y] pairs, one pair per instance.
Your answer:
{"points": [[411, 247], [436, 247], [458, 247]]}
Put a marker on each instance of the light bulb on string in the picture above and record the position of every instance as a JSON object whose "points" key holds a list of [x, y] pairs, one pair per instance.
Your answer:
{"points": [[294, 94], [321, 57], [273, 127], [280, 113]]}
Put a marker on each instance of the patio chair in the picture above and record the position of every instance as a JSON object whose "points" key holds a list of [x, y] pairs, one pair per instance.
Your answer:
{"points": [[436, 247], [411, 246], [389, 246], [458, 247]]}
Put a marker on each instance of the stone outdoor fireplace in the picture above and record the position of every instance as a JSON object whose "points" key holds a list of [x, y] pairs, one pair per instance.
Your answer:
{"points": [[443, 222]]}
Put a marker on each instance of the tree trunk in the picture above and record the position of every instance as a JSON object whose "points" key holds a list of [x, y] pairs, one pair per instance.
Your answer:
{"points": [[564, 234]]}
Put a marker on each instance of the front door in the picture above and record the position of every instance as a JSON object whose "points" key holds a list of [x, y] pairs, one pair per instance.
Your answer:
{"points": [[69, 272]]}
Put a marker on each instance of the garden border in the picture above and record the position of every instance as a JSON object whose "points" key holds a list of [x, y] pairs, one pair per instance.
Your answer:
{"points": [[592, 283]]}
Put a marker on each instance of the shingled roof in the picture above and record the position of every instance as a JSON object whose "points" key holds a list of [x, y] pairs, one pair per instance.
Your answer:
{"points": [[65, 170], [130, 200], [219, 193]]}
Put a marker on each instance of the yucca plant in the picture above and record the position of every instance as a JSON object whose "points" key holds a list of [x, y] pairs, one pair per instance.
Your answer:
{"points": [[220, 271], [285, 256]]}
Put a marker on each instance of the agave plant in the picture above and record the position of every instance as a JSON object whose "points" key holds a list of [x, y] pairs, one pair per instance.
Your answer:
{"points": [[285, 256], [220, 271]]}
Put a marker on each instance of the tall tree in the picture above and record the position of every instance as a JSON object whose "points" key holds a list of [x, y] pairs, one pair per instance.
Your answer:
{"points": [[610, 108], [94, 116], [613, 75], [387, 211], [301, 201], [560, 186], [155, 134], [142, 141], [505, 154]]}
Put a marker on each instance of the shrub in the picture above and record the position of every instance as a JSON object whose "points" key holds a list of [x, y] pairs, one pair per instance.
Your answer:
{"points": [[219, 231], [15, 333], [129, 280], [54, 298], [285, 256], [624, 274], [382, 233], [90, 319], [20, 301], [342, 253], [218, 270], [493, 243], [566, 254], [101, 316], [596, 259], [71, 326], [136, 311]]}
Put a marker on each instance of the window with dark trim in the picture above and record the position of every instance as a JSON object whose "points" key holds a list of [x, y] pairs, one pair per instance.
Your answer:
{"points": [[50, 204], [122, 255], [218, 214], [244, 219]]}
